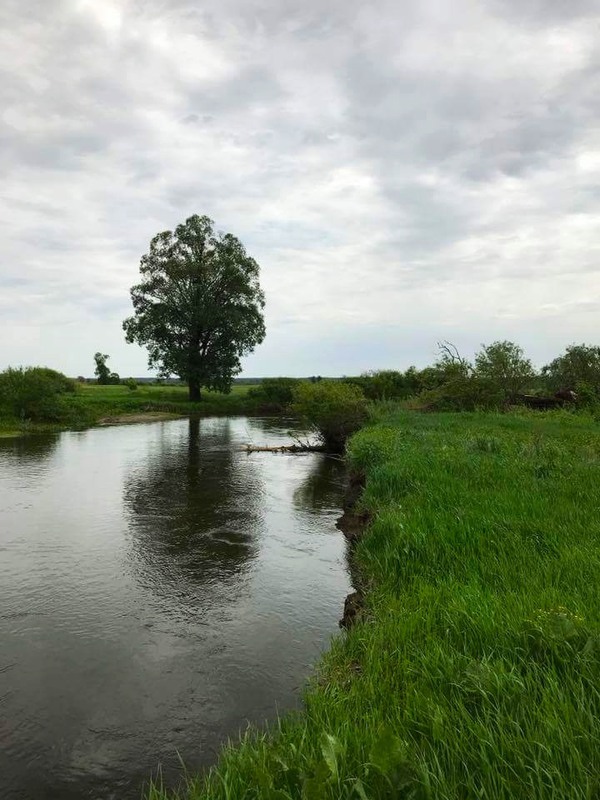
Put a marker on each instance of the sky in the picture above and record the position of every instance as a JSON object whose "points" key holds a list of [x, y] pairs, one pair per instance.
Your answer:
{"points": [[404, 173]]}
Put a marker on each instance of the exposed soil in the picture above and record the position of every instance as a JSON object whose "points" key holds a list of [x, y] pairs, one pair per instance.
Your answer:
{"points": [[353, 523], [144, 416]]}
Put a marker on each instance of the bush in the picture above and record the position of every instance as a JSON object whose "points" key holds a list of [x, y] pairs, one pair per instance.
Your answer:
{"points": [[34, 393], [334, 409], [274, 391], [462, 393], [130, 384], [389, 384]]}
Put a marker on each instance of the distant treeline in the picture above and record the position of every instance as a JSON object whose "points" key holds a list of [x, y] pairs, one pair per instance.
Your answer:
{"points": [[152, 380], [499, 375]]}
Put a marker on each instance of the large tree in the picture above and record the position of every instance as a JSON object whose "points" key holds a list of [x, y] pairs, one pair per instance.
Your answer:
{"points": [[198, 308]]}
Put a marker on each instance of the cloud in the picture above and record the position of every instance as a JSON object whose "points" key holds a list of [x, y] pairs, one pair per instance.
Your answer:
{"points": [[402, 173]]}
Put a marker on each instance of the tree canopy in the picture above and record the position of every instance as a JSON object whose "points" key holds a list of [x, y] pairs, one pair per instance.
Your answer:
{"points": [[504, 364], [578, 368], [199, 306], [102, 372]]}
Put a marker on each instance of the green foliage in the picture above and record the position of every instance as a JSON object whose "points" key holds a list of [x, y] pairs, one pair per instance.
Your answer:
{"points": [[34, 393], [334, 410], [386, 384], [454, 384], [198, 307], [274, 392], [92, 402], [505, 367], [101, 402], [131, 384], [463, 393], [104, 375], [577, 369]]}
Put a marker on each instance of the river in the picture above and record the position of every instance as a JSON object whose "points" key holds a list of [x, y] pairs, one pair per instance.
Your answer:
{"points": [[159, 589]]}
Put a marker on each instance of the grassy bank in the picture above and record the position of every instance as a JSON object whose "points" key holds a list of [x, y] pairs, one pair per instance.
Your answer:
{"points": [[475, 672], [91, 404]]}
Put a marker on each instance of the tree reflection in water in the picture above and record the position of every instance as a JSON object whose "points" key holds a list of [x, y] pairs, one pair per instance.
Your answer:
{"points": [[23, 449], [195, 512]]}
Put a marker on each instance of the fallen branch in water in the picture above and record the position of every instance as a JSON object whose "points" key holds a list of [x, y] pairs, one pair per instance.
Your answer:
{"points": [[299, 447]]}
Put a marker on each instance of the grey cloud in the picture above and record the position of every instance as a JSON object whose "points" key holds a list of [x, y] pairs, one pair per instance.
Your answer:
{"points": [[254, 86], [544, 12], [475, 124], [371, 156]]}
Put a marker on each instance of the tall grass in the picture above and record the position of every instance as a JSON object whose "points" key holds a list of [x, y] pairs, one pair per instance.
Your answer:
{"points": [[475, 672]]}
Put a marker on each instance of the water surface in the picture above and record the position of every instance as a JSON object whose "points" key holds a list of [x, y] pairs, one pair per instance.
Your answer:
{"points": [[159, 589]]}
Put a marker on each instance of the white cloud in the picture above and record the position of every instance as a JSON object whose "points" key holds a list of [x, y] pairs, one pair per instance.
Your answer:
{"points": [[402, 174]]}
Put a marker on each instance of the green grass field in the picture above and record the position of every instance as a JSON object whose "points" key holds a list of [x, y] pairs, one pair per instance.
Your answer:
{"points": [[475, 672], [92, 403], [119, 399]]}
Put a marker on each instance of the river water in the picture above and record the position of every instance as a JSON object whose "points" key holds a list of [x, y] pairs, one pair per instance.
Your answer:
{"points": [[159, 589]]}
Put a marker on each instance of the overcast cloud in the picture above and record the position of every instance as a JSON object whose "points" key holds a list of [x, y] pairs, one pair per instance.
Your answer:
{"points": [[403, 173]]}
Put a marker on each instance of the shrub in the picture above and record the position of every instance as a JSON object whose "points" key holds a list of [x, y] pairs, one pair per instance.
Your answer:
{"points": [[274, 391], [462, 393], [334, 410], [454, 384], [34, 393], [384, 384], [388, 384], [130, 384]]}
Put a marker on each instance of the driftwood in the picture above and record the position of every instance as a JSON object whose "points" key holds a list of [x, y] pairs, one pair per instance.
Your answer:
{"points": [[298, 447]]}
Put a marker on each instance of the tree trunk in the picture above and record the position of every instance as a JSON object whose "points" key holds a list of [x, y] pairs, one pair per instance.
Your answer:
{"points": [[194, 388]]}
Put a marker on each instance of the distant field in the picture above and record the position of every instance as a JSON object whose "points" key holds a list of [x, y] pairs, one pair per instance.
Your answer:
{"points": [[93, 403], [148, 391], [115, 400]]}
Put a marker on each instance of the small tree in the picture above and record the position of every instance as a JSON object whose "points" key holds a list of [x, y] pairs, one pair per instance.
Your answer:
{"points": [[578, 369], [198, 307], [104, 375], [451, 364], [505, 366], [101, 371], [334, 409], [452, 384]]}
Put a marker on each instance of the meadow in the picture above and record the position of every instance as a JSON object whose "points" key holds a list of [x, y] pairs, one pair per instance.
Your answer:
{"points": [[92, 403], [474, 670], [119, 399]]}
